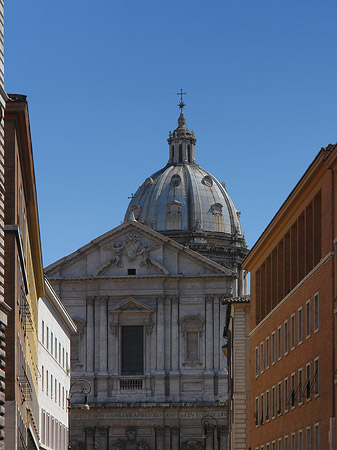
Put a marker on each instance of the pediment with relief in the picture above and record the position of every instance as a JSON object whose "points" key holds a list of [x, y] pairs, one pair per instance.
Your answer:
{"points": [[131, 304], [131, 249]]}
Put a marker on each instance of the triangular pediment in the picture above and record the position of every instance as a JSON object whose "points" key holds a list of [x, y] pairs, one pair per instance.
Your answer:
{"points": [[133, 249], [132, 305]]}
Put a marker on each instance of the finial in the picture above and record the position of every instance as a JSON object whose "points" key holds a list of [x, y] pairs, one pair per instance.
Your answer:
{"points": [[181, 104], [132, 214]]}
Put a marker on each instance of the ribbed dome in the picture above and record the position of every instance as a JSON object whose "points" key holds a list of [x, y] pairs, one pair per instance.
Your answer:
{"points": [[182, 196]]}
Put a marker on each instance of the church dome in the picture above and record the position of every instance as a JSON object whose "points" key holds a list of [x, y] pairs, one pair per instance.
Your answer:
{"points": [[182, 196]]}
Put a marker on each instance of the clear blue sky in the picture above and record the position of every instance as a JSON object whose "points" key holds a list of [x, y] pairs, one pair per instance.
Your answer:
{"points": [[101, 79]]}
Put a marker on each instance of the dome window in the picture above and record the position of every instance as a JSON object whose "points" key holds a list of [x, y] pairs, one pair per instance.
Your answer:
{"points": [[216, 209], [207, 181], [148, 181], [189, 153], [175, 180], [180, 153]]}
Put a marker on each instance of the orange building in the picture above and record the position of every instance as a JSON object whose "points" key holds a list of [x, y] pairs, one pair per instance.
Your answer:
{"points": [[293, 317]]}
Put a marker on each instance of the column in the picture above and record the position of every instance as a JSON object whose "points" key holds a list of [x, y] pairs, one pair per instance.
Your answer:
{"points": [[217, 327], [175, 334], [159, 438], [209, 334], [103, 335], [223, 438], [90, 335], [160, 334], [167, 336], [175, 437]]}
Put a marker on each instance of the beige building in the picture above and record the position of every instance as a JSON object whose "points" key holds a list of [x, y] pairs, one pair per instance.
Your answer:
{"points": [[24, 282]]}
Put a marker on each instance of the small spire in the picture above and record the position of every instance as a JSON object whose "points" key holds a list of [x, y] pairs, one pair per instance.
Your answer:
{"points": [[181, 104], [131, 213]]}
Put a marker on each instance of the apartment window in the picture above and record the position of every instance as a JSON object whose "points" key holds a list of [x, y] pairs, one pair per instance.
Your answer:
{"points": [[300, 386], [317, 376], [55, 348], [42, 332], [43, 424], [308, 381], [308, 315], [60, 394], [257, 411], [300, 440], [317, 437], [47, 385], [293, 442], [262, 408], [60, 354], [257, 361], [293, 331], [273, 348], [279, 343], [293, 390], [273, 402], [267, 446], [280, 447], [286, 394], [48, 430], [286, 337], [67, 365], [268, 405], [300, 325], [63, 397], [47, 338], [55, 390], [316, 313], [262, 356], [51, 386], [42, 378], [308, 439], [51, 342], [286, 443], [280, 398], [273, 445], [63, 357], [268, 352]]}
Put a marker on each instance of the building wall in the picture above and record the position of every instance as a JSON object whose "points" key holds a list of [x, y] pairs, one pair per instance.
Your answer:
{"points": [[292, 327], [23, 280], [55, 327], [163, 405], [4, 309]]}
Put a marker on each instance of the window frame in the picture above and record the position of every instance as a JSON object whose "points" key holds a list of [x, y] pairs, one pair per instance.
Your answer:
{"points": [[286, 337], [317, 311], [257, 362], [317, 376], [308, 318], [267, 352], [293, 331], [317, 436], [262, 358], [273, 348], [300, 327], [279, 343]]}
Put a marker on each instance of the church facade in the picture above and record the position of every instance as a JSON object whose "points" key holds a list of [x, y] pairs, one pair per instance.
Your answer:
{"points": [[147, 301]]}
